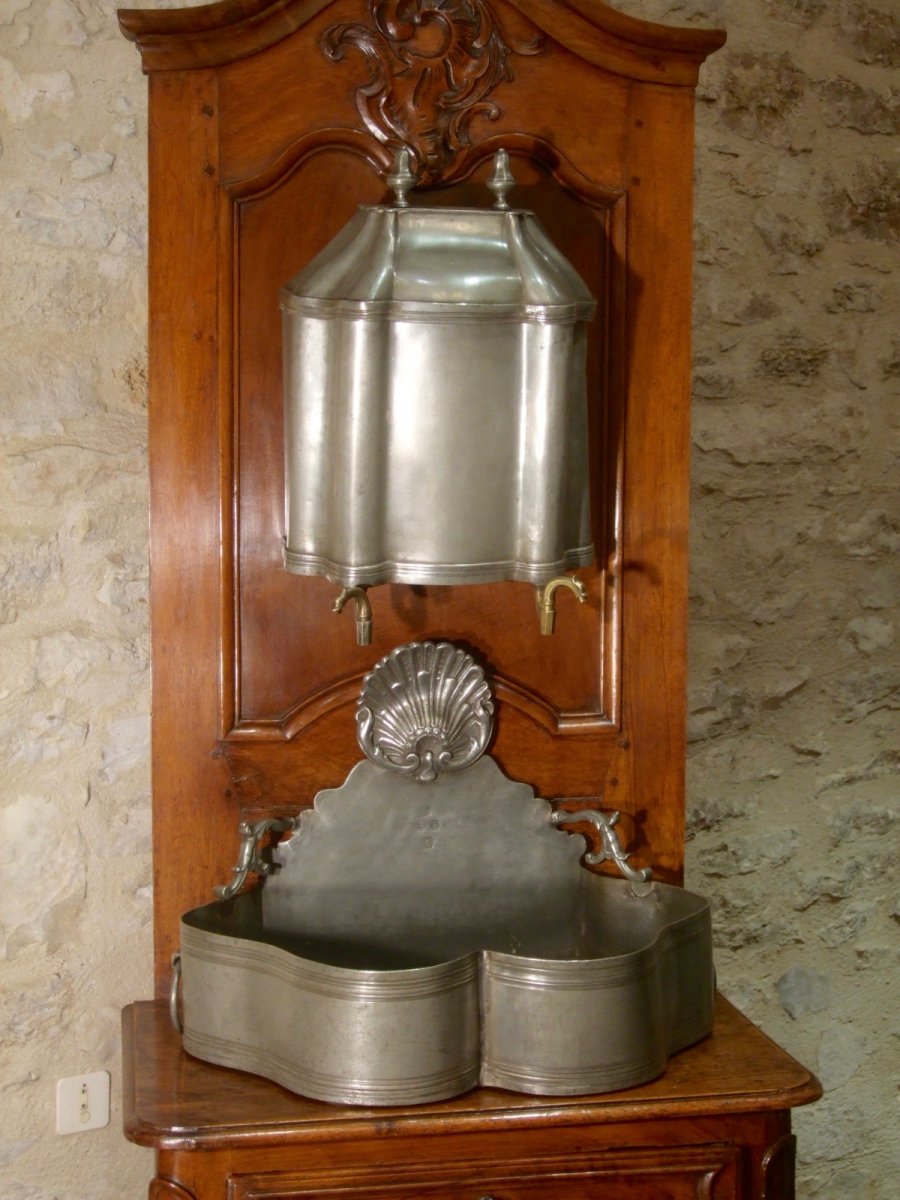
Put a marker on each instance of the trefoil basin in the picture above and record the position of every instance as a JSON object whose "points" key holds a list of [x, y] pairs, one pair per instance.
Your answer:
{"points": [[417, 937]]}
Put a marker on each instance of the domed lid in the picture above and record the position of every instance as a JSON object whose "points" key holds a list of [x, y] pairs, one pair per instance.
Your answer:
{"points": [[442, 264]]}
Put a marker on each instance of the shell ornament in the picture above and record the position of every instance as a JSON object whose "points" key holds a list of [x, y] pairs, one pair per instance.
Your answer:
{"points": [[425, 709]]}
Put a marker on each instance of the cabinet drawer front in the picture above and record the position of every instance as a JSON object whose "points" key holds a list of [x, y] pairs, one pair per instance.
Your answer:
{"points": [[664, 1173]]}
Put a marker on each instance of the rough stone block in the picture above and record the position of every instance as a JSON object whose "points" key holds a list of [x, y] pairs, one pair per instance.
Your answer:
{"points": [[853, 107], [803, 990], [866, 201], [869, 634], [871, 31], [761, 93], [24, 96]]}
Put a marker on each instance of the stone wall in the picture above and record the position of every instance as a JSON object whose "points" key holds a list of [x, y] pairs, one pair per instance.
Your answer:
{"points": [[793, 734], [75, 933], [793, 671]]}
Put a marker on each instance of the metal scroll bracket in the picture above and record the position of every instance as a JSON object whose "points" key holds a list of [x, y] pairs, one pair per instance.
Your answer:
{"points": [[250, 861], [611, 848], [250, 856]]}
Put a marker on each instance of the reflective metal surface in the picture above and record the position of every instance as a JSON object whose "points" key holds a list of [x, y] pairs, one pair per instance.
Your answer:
{"points": [[415, 938], [435, 406], [610, 847], [363, 612], [421, 939], [546, 599], [250, 859], [425, 708]]}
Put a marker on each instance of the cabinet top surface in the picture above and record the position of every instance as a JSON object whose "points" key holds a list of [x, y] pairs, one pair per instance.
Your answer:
{"points": [[175, 1101]]}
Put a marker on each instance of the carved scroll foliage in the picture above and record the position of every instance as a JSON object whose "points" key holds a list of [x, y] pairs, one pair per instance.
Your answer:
{"points": [[432, 66]]}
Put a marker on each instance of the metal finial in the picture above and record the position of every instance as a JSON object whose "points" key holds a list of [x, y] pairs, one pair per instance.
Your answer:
{"points": [[502, 180], [401, 178]]}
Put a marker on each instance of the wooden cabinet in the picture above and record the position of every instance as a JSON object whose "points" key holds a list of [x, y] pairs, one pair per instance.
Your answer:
{"points": [[716, 1126], [270, 121]]}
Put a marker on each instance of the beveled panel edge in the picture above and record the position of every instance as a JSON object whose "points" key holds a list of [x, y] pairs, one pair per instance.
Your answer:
{"points": [[615, 366], [609, 200], [551, 1171], [334, 139], [167, 1189], [306, 711], [338, 139], [544, 154], [345, 693], [213, 35]]}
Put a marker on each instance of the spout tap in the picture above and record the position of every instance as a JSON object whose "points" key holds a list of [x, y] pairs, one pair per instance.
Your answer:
{"points": [[546, 600], [363, 612]]}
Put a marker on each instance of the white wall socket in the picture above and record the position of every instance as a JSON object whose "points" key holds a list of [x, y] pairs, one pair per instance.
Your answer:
{"points": [[82, 1102]]}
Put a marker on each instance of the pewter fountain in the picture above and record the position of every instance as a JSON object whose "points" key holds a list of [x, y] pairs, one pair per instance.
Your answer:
{"points": [[428, 926]]}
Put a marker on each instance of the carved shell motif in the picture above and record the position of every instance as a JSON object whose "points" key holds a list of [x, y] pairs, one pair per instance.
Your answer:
{"points": [[425, 708]]}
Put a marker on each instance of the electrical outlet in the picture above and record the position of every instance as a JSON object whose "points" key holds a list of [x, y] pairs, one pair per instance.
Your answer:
{"points": [[82, 1102]]}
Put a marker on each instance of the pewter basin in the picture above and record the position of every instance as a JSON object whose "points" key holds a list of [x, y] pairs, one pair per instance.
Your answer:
{"points": [[403, 971], [414, 939]]}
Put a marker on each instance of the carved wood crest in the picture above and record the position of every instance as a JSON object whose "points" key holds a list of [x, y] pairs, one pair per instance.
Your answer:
{"points": [[433, 65]]}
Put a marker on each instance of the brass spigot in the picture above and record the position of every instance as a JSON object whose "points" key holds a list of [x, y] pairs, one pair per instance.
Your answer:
{"points": [[363, 612], [546, 602]]}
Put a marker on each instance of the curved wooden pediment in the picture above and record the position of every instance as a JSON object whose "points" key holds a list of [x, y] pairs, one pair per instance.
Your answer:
{"points": [[213, 35]]}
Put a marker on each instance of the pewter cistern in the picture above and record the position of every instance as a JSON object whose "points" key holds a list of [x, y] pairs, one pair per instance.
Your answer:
{"points": [[435, 399], [428, 927]]}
